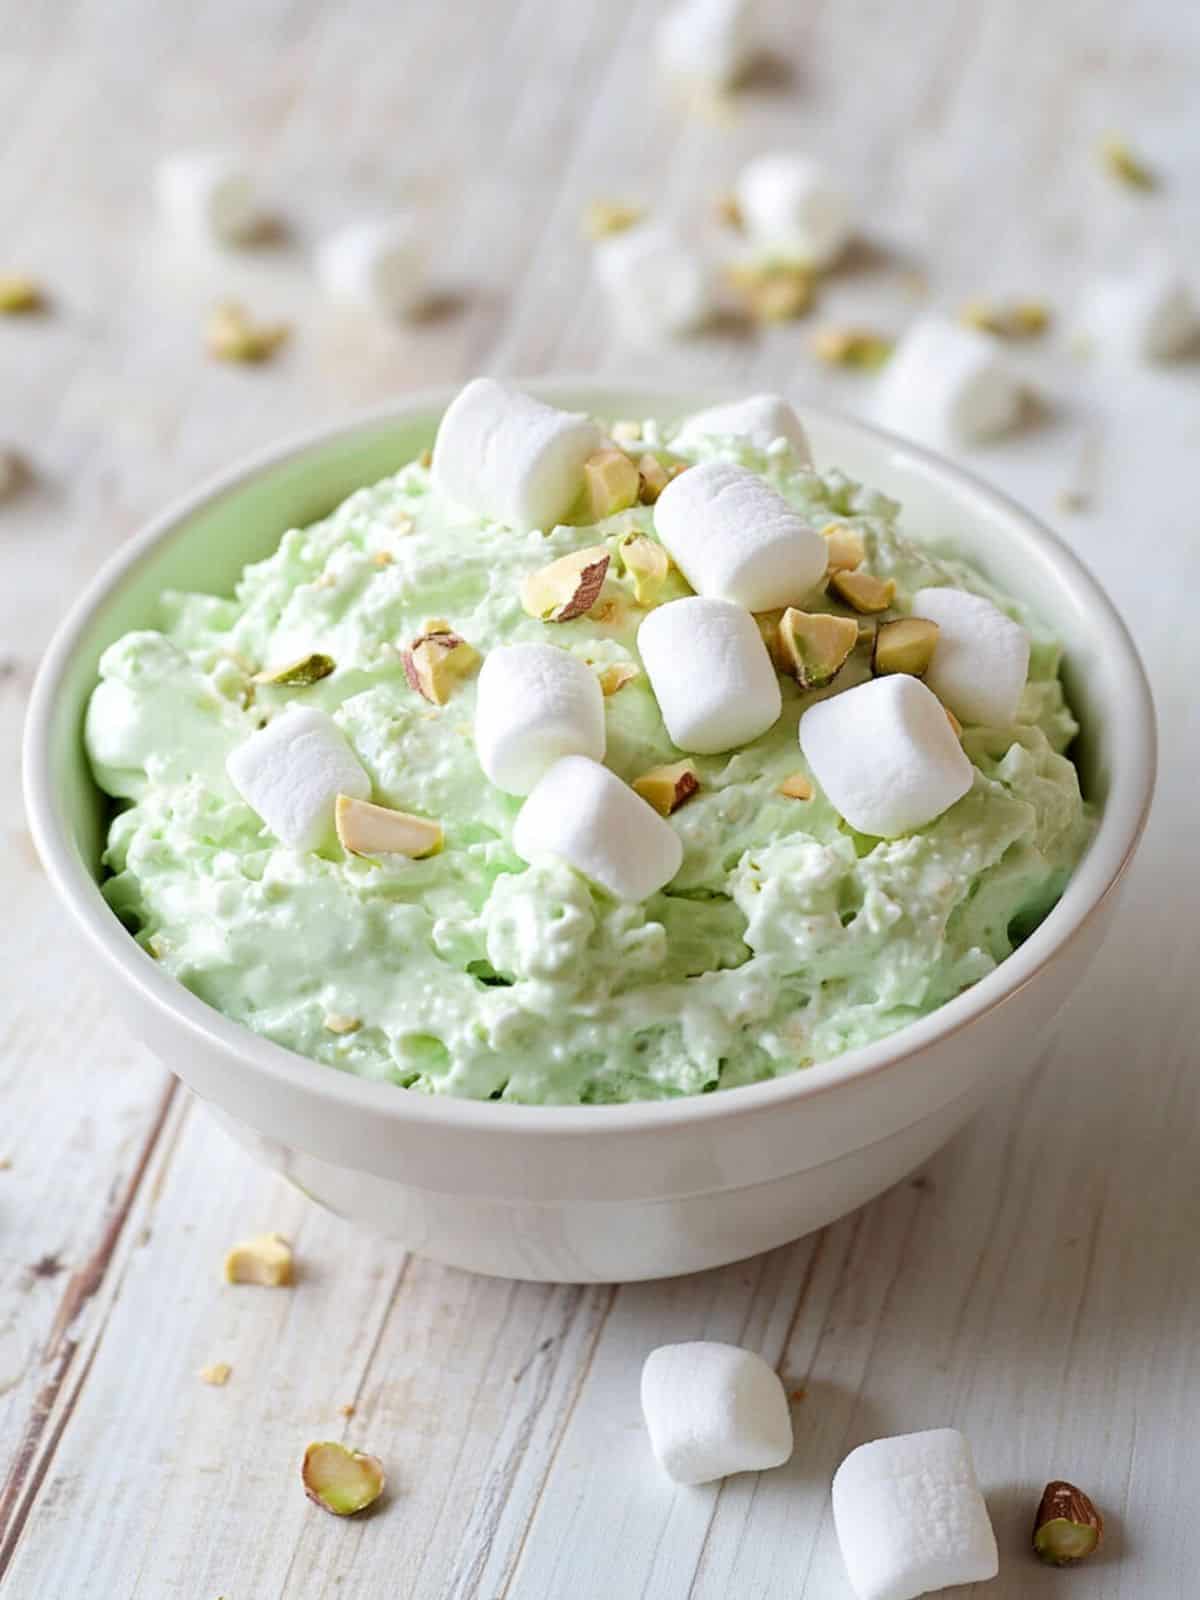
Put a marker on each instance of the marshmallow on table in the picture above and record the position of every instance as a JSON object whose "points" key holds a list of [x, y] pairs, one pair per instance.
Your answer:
{"points": [[292, 771], [710, 672], [377, 264], [658, 285], [946, 384], [535, 703], [1151, 314], [981, 658], [582, 812], [209, 195], [508, 457], [791, 207], [885, 755], [734, 538], [709, 41], [760, 419], [712, 1409], [910, 1517]]}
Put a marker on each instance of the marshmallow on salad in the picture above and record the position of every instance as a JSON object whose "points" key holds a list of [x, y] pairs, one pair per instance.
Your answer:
{"points": [[1149, 314], [582, 812], [947, 385], [377, 264], [981, 658], [759, 419], [885, 755], [910, 1518], [712, 1409], [534, 704], [710, 672], [208, 195], [292, 771], [508, 457], [734, 538], [791, 207], [658, 285]]}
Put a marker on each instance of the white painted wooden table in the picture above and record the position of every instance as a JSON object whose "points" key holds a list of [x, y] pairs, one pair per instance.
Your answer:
{"points": [[1038, 1285]]}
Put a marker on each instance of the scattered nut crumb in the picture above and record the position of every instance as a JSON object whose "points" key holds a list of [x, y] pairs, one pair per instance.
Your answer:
{"points": [[604, 217], [728, 211], [232, 336], [773, 291], [217, 1374], [347, 1410], [20, 295], [1023, 319], [1121, 163], [852, 347], [265, 1260]]}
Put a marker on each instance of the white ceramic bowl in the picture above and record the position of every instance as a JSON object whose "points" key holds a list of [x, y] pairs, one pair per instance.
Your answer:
{"points": [[596, 1193]]}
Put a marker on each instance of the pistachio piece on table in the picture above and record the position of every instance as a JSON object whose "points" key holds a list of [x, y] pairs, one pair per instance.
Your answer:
{"points": [[339, 1479], [19, 295], [611, 483], [233, 336], [436, 660], [605, 217], [666, 788], [773, 291], [846, 548], [852, 347], [1024, 319], [1121, 163], [365, 829], [906, 645], [299, 674], [566, 588], [1067, 1527], [796, 787], [815, 646], [265, 1260], [863, 591], [647, 563]]}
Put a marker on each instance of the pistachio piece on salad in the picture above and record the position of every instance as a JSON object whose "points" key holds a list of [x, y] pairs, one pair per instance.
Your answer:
{"points": [[340, 1022], [1067, 1527], [265, 1260], [365, 829], [614, 678], [653, 478], [647, 563], [846, 547], [339, 1479], [863, 590], [568, 587], [905, 645], [768, 626], [815, 646], [796, 787], [299, 674], [436, 660], [666, 788], [611, 483]]}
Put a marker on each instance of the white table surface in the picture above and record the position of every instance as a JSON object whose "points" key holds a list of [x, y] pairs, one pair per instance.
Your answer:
{"points": [[1039, 1284]]}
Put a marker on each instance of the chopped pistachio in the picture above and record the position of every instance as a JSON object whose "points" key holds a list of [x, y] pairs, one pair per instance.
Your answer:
{"points": [[437, 660], [265, 1260], [796, 787], [773, 291], [610, 484], [666, 788], [300, 674], [365, 829], [768, 626], [19, 295], [158, 946], [605, 217], [217, 1374], [906, 645], [815, 646], [647, 563], [653, 478], [846, 547], [863, 590], [1024, 319], [1067, 1526], [852, 347], [566, 588], [728, 211], [339, 1022], [232, 336], [615, 677], [340, 1479], [1122, 164]]}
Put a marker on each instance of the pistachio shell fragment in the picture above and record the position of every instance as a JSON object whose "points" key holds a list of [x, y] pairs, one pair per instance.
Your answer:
{"points": [[339, 1479], [614, 678], [232, 336], [265, 1260], [605, 217], [365, 829], [610, 484], [815, 646], [437, 660], [1067, 1527], [852, 347], [217, 1374], [666, 788], [300, 674], [19, 295], [863, 590], [653, 478], [773, 291], [566, 588], [906, 645], [796, 787], [647, 563], [846, 548]]}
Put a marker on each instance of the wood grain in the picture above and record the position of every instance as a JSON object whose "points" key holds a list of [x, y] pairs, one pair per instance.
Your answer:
{"points": [[1038, 1285]]}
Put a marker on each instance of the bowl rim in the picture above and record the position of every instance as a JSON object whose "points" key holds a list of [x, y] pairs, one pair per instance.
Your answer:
{"points": [[1122, 820]]}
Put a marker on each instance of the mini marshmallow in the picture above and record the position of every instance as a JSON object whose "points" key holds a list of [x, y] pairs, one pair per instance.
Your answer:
{"points": [[885, 755], [657, 284], [910, 1517], [535, 703], [506, 456], [208, 195], [710, 671], [791, 207], [1149, 314], [377, 264], [734, 538], [946, 384], [760, 419], [292, 771], [582, 812], [712, 1409], [981, 658], [708, 41]]}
